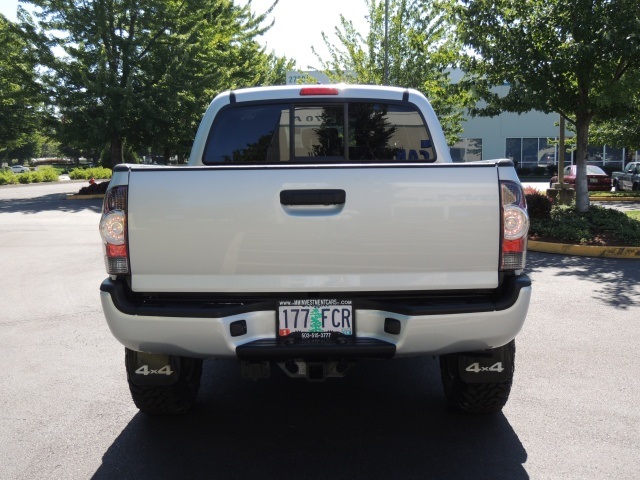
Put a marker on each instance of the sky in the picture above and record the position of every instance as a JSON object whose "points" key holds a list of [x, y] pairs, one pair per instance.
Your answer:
{"points": [[298, 25]]}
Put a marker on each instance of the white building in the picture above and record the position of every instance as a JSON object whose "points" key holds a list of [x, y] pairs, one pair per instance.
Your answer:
{"points": [[529, 139]]}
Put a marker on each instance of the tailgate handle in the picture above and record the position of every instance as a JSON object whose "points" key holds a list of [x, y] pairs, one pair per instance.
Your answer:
{"points": [[313, 197]]}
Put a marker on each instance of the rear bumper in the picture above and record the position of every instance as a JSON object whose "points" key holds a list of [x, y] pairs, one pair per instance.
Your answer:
{"points": [[426, 328]]}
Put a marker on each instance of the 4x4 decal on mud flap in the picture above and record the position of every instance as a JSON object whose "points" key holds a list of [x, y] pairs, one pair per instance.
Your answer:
{"points": [[490, 366], [153, 369], [145, 370], [475, 367]]}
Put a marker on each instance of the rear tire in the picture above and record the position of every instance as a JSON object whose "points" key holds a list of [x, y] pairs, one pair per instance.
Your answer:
{"points": [[174, 399], [616, 187], [471, 397]]}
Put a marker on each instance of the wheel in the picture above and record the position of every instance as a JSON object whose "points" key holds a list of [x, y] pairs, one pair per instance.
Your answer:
{"points": [[476, 397], [616, 187], [636, 187], [172, 399]]}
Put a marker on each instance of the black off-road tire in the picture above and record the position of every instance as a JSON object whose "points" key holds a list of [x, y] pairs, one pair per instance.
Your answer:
{"points": [[474, 398], [616, 187], [173, 399]]}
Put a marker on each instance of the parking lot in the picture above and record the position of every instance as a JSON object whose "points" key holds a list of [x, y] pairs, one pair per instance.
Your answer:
{"points": [[574, 412]]}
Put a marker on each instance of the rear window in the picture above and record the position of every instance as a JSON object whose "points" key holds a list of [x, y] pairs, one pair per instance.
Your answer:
{"points": [[335, 132], [593, 170]]}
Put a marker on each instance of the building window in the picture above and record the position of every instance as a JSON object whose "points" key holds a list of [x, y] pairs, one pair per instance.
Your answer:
{"points": [[513, 150], [467, 150], [529, 152], [532, 152], [542, 152], [613, 156]]}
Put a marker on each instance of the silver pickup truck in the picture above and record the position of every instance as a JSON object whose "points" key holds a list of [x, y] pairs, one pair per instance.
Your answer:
{"points": [[315, 226]]}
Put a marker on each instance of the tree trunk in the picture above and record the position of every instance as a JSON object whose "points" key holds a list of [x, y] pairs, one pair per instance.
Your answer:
{"points": [[116, 149], [582, 142], [167, 155]]}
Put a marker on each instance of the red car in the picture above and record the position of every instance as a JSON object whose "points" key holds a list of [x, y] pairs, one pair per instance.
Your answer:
{"points": [[597, 179]]}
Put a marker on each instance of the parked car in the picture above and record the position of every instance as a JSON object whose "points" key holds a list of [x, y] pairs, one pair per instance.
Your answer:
{"points": [[597, 179], [19, 169], [629, 179]]}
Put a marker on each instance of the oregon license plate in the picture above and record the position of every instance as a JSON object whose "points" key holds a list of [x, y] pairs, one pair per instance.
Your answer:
{"points": [[315, 319]]}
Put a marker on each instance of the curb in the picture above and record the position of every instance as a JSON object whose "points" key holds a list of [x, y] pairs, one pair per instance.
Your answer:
{"points": [[614, 199], [74, 196], [585, 250]]}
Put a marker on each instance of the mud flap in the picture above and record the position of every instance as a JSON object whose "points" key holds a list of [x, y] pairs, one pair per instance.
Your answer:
{"points": [[487, 366], [153, 369]]}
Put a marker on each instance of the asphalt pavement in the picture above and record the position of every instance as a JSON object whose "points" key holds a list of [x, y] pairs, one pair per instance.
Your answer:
{"points": [[66, 413]]}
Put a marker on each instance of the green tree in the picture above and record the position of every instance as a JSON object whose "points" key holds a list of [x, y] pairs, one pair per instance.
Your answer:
{"points": [[578, 58], [21, 97], [277, 68], [141, 72], [220, 54], [623, 130], [421, 50]]}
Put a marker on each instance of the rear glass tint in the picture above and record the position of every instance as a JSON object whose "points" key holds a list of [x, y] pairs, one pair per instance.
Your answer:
{"points": [[336, 132], [249, 135]]}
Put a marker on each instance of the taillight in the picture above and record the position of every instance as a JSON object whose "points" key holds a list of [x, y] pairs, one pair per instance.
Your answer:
{"points": [[515, 226], [113, 230]]}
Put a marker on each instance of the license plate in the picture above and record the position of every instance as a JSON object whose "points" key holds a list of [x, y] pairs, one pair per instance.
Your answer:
{"points": [[593, 180], [318, 319]]}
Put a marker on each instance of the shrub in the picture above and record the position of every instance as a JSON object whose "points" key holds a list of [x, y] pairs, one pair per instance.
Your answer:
{"points": [[87, 173], [564, 225], [35, 176], [597, 225], [48, 174], [538, 204], [24, 177], [617, 223], [7, 177]]}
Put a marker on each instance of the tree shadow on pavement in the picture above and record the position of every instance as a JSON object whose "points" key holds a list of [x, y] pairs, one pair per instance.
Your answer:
{"points": [[52, 202], [387, 420], [618, 279]]}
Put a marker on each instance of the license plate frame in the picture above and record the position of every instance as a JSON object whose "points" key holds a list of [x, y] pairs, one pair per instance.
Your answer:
{"points": [[315, 319]]}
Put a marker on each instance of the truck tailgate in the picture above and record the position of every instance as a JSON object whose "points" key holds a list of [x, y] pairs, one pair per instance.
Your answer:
{"points": [[226, 229]]}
